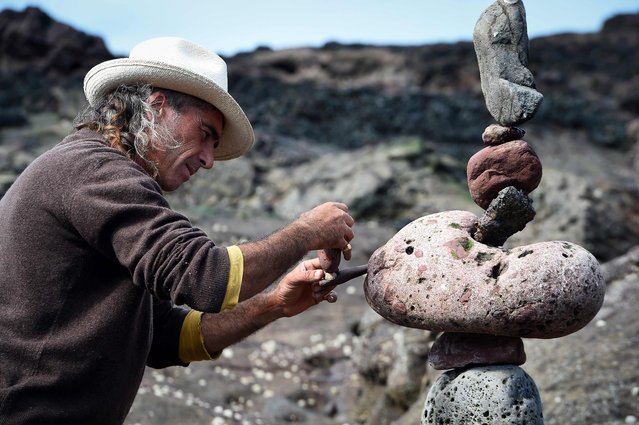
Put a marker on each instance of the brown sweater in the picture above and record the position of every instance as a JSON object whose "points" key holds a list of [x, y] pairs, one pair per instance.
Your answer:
{"points": [[86, 240]]}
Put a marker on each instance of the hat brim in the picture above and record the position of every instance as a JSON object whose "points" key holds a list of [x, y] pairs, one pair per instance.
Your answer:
{"points": [[237, 137]]}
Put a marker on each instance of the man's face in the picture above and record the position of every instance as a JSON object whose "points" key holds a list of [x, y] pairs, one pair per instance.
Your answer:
{"points": [[198, 132]]}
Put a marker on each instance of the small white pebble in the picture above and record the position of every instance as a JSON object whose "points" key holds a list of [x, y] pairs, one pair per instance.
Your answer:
{"points": [[228, 353], [557, 399], [600, 323], [350, 290], [269, 346], [631, 419], [218, 421], [634, 391], [202, 383], [347, 350]]}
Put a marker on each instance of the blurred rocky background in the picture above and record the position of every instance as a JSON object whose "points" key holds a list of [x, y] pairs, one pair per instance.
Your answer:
{"points": [[387, 130]]}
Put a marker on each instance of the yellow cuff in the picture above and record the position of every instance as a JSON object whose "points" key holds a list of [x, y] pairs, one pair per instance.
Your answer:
{"points": [[191, 341], [236, 273]]}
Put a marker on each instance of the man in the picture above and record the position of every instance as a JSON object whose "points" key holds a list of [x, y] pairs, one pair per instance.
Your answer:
{"points": [[93, 260]]}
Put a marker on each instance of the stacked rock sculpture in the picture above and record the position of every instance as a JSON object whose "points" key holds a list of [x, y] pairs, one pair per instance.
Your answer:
{"points": [[448, 272]]}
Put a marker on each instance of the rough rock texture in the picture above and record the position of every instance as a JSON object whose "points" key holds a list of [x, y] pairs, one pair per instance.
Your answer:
{"points": [[592, 376], [433, 275], [497, 134], [506, 215], [316, 112], [32, 41], [501, 44], [496, 395], [459, 350], [493, 168]]}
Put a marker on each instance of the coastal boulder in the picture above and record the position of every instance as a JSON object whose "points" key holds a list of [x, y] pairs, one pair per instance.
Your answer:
{"points": [[433, 275]]}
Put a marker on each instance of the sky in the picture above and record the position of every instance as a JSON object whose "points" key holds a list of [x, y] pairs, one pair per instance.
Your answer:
{"points": [[230, 27]]}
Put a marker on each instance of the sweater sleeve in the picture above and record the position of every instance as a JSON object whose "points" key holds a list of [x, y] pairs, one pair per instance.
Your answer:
{"points": [[119, 210], [168, 321]]}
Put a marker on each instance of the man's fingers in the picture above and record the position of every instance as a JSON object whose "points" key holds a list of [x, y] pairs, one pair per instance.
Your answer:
{"points": [[331, 297], [349, 220], [321, 292], [348, 251], [307, 265]]}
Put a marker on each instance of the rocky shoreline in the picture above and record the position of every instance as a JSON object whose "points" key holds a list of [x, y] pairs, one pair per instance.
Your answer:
{"points": [[325, 131]]}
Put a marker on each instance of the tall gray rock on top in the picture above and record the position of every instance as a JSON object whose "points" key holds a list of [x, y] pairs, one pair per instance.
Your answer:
{"points": [[501, 45]]}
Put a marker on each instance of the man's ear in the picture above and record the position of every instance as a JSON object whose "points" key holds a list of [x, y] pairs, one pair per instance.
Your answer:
{"points": [[158, 101]]}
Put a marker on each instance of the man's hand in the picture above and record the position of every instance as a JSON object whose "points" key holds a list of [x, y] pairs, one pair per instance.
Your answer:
{"points": [[329, 226], [300, 289], [295, 293], [324, 227]]}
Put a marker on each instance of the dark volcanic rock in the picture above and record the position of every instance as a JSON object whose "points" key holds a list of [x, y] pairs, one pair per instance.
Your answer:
{"points": [[31, 40], [506, 215], [504, 395]]}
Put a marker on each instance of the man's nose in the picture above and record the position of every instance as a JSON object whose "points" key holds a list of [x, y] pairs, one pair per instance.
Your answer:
{"points": [[207, 158]]}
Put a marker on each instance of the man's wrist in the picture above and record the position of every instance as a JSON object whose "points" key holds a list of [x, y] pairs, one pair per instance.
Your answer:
{"points": [[271, 308]]}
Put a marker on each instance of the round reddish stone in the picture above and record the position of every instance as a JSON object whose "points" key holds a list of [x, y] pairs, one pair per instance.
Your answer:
{"points": [[496, 167]]}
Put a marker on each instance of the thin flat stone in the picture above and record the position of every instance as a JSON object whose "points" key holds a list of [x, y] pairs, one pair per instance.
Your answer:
{"points": [[457, 350], [496, 134]]}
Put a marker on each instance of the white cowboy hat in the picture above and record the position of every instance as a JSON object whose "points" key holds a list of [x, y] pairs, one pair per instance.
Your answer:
{"points": [[180, 65]]}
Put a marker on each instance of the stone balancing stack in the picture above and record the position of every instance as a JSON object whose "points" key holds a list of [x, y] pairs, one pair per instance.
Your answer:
{"points": [[448, 273]]}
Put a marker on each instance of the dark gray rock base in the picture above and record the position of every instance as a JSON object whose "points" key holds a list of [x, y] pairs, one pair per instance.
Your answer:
{"points": [[491, 395]]}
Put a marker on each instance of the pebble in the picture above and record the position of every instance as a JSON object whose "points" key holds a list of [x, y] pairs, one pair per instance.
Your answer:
{"points": [[484, 395], [497, 134], [494, 168], [457, 350], [543, 290], [501, 44]]}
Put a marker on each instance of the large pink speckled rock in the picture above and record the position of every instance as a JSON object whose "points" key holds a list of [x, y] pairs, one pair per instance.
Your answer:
{"points": [[433, 275]]}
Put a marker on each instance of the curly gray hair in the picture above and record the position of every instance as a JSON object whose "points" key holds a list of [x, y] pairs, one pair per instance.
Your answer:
{"points": [[129, 122]]}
